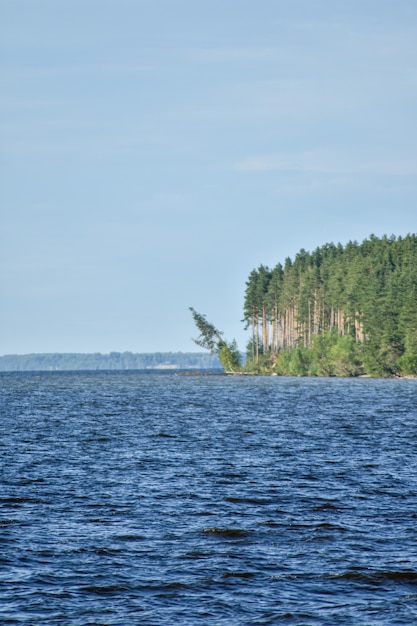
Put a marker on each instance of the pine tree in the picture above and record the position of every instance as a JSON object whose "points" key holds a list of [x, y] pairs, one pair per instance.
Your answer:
{"points": [[211, 339], [361, 299]]}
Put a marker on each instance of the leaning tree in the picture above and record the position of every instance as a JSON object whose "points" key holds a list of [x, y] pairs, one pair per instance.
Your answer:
{"points": [[211, 339]]}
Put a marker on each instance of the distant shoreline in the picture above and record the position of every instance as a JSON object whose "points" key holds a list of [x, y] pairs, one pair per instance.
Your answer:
{"points": [[114, 361]]}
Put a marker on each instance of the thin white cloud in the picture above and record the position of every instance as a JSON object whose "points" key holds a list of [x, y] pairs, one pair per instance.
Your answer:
{"points": [[249, 53], [328, 163], [301, 162], [77, 69]]}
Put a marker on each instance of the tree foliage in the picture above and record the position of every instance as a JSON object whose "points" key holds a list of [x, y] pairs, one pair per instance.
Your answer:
{"points": [[211, 339], [339, 310]]}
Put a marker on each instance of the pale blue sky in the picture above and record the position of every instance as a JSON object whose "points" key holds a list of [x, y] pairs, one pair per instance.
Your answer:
{"points": [[153, 152]]}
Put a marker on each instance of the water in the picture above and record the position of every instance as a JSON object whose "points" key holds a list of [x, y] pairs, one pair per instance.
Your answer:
{"points": [[158, 499]]}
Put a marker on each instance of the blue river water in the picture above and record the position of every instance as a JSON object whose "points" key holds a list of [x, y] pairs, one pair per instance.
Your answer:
{"points": [[162, 499]]}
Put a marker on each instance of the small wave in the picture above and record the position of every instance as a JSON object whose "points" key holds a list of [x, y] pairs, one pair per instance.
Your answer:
{"points": [[238, 575], [229, 533], [293, 616], [195, 554], [20, 500], [23, 482], [238, 475], [131, 537], [327, 506], [103, 590], [8, 522], [256, 501], [327, 526], [106, 551], [176, 585], [377, 577]]}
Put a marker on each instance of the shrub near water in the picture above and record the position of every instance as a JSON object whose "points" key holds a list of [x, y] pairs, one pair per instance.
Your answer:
{"points": [[329, 355]]}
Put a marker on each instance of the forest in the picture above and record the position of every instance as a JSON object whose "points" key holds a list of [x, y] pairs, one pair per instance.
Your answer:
{"points": [[338, 311]]}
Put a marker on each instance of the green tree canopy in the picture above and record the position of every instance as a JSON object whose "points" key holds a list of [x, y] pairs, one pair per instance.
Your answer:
{"points": [[365, 292]]}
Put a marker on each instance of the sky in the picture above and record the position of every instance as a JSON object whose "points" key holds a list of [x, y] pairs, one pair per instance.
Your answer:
{"points": [[155, 152]]}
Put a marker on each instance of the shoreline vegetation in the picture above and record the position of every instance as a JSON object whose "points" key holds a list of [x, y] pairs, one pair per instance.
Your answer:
{"points": [[348, 311]]}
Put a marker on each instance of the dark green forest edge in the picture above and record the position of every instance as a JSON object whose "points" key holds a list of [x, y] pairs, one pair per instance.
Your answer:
{"points": [[338, 311]]}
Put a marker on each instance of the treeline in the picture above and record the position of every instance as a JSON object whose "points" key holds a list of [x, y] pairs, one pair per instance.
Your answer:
{"points": [[340, 310], [112, 361]]}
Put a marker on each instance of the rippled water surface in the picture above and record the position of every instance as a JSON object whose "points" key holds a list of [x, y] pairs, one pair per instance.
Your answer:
{"points": [[132, 498]]}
